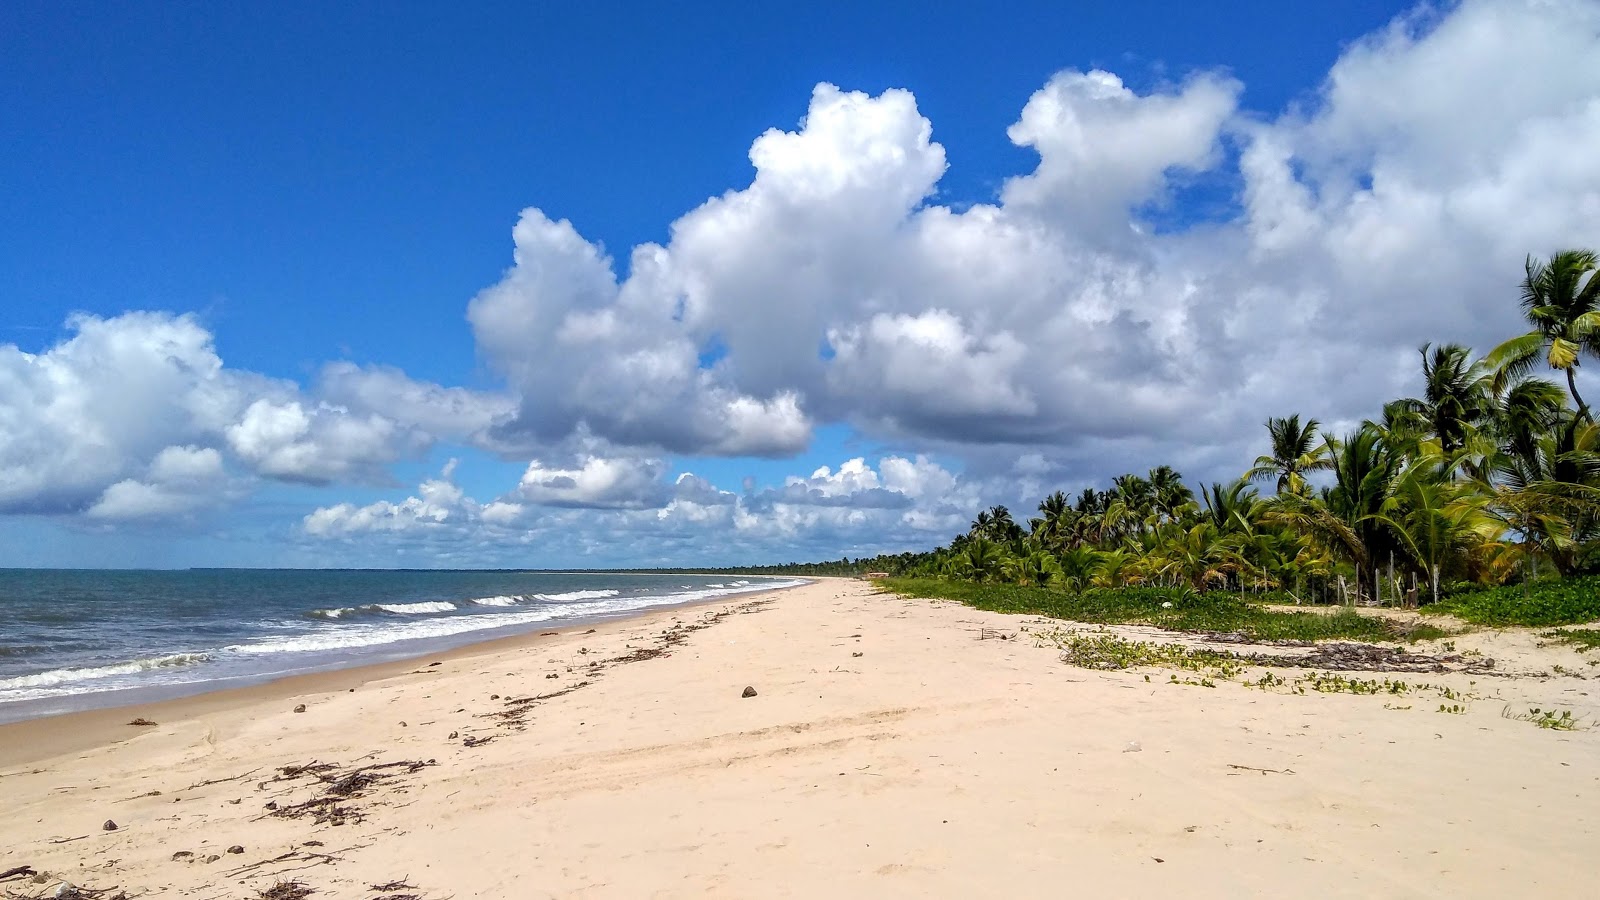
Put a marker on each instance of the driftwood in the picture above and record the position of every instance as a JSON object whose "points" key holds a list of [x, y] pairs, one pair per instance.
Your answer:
{"points": [[286, 890]]}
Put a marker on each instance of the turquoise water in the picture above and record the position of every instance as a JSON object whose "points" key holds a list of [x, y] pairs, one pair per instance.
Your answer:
{"points": [[75, 639]]}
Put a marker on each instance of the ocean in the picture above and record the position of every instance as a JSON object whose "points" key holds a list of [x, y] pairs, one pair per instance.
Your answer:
{"points": [[81, 639]]}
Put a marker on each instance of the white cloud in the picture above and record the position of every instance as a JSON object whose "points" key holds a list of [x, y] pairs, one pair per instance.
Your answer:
{"points": [[104, 420], [596, 482], [1103, 148], [180, 480], [291, 441], [443, 413], [441, 506], [1057, 324], [570, 514], [1394, 206]]}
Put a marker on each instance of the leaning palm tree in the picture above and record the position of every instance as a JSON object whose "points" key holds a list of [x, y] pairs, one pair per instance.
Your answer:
{"points": [[1561, 300], [1295, 453]]}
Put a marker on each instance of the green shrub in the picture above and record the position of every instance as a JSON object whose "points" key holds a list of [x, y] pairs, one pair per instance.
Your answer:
{"points": [[1566, 601], [1211, 611]]}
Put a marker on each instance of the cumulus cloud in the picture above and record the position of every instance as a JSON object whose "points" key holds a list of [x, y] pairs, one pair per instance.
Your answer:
{"points": [[1394, 205], [440, 504], [180, 480], [136, 416], [579, 512], [1055, 335], [595, 482]]}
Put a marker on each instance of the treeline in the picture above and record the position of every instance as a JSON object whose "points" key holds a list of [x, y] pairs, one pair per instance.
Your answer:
{"points": [[1490, 477]]}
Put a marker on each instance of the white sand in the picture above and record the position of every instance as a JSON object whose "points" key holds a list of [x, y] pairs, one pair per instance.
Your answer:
{"points": [[933, 764]]}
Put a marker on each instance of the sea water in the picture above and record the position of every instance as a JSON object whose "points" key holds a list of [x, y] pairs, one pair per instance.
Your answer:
{"points": [[79, 639]]}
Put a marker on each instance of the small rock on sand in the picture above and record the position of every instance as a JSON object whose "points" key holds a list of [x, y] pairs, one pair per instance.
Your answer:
{"points": [[236, 849], [748, 691], [300, 708], [109, 826]]}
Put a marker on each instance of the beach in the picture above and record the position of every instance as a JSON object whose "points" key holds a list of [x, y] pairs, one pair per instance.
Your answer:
{"points": [[891, 747]]}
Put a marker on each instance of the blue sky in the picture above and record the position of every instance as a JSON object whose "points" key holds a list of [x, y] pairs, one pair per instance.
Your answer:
{"points": [[311, 185]]}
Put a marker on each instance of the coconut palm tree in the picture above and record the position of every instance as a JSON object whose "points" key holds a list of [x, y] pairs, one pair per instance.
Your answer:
{"points": [[1561, 300], [1077, 568], [1170, 494], [1341, 518], [1434, 518], [980, 559], [1295, 453], [1037, 569], [1054, 521], [1201, 557], [1455, 398], [1113, 569], [1231, 509]]}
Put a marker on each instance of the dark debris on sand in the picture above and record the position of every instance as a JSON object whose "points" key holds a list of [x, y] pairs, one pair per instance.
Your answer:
{"points": [[1348, 657], [286, 890], [334, 804]]}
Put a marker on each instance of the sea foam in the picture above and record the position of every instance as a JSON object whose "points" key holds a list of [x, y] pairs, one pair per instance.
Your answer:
{"points": [[55, 677]]}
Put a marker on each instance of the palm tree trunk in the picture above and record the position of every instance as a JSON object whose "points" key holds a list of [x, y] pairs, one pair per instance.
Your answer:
{"points": [[1572, 385]]}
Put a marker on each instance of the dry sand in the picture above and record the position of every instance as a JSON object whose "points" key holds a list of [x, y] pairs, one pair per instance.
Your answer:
{"points": [[894, 748]]}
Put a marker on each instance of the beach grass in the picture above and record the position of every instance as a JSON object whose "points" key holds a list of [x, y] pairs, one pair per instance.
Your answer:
{"points": [[1173, 609]]}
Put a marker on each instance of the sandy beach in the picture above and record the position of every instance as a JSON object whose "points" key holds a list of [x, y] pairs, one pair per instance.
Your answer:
{"points": [[893, 748]]}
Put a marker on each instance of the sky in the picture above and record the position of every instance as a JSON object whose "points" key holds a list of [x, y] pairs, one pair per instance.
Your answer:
{"points": [[522, 286]]}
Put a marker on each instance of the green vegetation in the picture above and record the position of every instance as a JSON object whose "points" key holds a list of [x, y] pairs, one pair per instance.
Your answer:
{"points": [[1566, 601], [1547, 718], [1175, 609], [1107, 652], [1489, 483], [1585, 639], [1111, 653]]}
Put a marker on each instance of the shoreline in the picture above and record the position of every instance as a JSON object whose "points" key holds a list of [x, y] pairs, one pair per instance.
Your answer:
{"points": [[39, 737], [884, 747]]}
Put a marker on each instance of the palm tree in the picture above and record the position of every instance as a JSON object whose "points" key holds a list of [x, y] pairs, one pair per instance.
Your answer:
{"points": [[1231, 509], [1455, 397], [1295, 453], [980, 559], [1434, 518], [1342, 518], [1548, 492], [1036, 569], [1078, 567], [1561, 300], [1112, 569], [1171, 494], [1201, 557], [1054, 521], [1002, 527]]}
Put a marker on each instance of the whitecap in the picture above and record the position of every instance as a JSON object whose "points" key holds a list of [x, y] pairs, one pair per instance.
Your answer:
{"points": [[570, 596], [56, 677]]}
